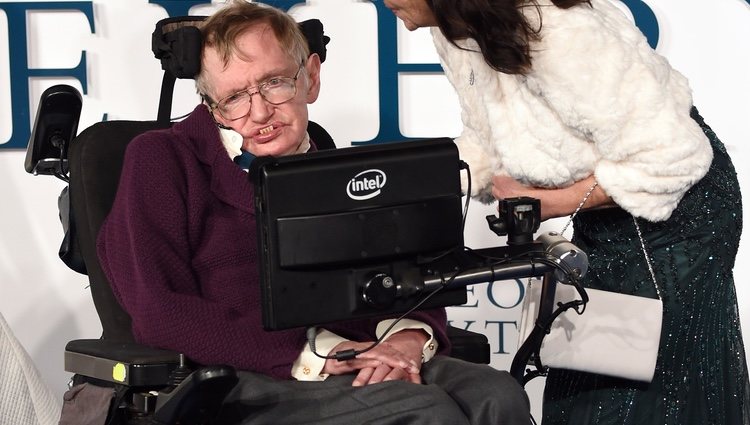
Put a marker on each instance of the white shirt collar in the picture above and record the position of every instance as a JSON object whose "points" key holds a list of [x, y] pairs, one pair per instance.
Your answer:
{"points": [[305, 145], [232, 141]]}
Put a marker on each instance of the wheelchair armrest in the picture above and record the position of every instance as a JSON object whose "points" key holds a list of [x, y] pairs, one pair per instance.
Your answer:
{"points": [[197, 398], [158, 381], [129, 364], [469, 346]]}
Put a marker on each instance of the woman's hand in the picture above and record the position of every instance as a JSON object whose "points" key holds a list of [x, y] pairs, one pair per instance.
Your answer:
{"points": [[397, 358], [554, 202], [504, 187]]}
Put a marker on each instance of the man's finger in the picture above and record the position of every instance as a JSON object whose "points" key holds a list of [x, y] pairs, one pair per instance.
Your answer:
{"points": [[363, 377], [379, 374]]}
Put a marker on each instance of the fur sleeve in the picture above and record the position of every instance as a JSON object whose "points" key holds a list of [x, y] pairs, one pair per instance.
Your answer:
{"points": [[596, 69]]}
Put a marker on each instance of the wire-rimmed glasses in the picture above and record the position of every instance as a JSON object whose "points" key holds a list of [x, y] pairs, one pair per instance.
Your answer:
{"points": [[275, 90]]}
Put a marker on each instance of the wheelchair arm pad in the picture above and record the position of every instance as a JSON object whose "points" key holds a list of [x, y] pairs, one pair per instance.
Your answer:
{"points": [[129, 352], [121, 363], [469, 346]]}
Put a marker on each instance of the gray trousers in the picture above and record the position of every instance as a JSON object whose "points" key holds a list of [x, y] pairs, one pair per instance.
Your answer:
{"points": [[454, 392]]}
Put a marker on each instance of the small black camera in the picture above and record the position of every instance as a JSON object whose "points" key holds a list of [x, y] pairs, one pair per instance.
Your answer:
{"points": [[518, 218]]}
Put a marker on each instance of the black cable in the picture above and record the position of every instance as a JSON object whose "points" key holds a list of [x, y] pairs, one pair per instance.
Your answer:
{"points": [[62, 173], [350, 354], [465, 166], [61, 176], [546, 258], [180, 118]]}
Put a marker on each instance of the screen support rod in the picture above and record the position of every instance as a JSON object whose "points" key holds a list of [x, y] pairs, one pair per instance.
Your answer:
{"points": [[488, 274], [528, 351]]}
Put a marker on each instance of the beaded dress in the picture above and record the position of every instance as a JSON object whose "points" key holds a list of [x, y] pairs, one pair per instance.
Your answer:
{"points": [[701, 375], [598, 100]]}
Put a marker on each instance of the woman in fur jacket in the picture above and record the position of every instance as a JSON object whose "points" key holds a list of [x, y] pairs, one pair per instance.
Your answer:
{"points": [[564, 100]]}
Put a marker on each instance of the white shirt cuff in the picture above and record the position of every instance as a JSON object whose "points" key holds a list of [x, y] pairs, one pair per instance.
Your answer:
{"points": [[430, 347], [308, 366]]}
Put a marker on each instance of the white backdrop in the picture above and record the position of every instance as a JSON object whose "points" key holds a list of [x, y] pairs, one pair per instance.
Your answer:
{"points": [[46, 304]]}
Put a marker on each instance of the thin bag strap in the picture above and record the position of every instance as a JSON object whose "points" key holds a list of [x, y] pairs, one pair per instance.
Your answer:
{"points": [[648, 260], [580, 205], [637, 229]]}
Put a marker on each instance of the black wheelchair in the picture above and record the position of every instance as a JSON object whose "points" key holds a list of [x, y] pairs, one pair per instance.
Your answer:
{"points": [[147, 385]]}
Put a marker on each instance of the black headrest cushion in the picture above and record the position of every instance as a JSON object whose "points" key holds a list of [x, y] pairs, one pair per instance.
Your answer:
{"points": [[177, 43]]}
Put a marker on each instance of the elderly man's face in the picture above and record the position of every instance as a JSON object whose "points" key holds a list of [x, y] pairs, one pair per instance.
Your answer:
{"points": [[267, 129]]}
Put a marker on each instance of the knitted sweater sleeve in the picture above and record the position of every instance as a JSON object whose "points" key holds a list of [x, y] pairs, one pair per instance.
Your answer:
{"points": [[145, 250]]}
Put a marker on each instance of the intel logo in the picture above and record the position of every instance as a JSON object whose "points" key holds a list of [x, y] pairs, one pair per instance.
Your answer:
{"points": [[366, 185]]}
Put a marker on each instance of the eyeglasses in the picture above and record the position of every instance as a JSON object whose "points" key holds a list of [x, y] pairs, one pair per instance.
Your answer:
{"points": [[275, 91]]}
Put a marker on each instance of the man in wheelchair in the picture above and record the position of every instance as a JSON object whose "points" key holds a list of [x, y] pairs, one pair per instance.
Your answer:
{"points": [[178, 249]]}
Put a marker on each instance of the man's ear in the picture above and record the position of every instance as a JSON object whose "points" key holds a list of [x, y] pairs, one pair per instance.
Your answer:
{"points": [[313, 73]]}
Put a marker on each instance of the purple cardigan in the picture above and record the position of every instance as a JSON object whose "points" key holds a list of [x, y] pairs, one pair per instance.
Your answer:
{"points": [[179, 250]]}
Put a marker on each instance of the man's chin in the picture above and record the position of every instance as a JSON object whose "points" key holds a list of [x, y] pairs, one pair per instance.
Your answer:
{"points": [[272, 149]]}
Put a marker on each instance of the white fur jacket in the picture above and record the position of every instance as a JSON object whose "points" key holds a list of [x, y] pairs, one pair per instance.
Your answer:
{"points": [[598, 100]]}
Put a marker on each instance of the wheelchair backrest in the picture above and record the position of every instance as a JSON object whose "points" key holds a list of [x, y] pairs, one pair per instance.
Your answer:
{"points": [[95, 158]]}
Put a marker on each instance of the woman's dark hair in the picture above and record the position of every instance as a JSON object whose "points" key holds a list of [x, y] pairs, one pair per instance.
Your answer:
{"points": [[498, 26]]}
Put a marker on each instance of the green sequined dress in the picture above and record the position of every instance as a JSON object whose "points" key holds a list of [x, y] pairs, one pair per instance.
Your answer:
{"points": [[701, 374]]}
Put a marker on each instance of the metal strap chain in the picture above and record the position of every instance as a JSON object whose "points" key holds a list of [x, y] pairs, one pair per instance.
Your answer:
{"points": [[583, 201], [570, 220], [645, 254], [637, 229]]}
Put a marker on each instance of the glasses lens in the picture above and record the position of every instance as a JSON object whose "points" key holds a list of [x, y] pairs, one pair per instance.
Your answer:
{"points": [[235, 106], [274, 91], [278, 90]]}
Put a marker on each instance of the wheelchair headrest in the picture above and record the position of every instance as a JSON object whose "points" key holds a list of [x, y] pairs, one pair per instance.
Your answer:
{"points": [[316, 40], [177, 43]]}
